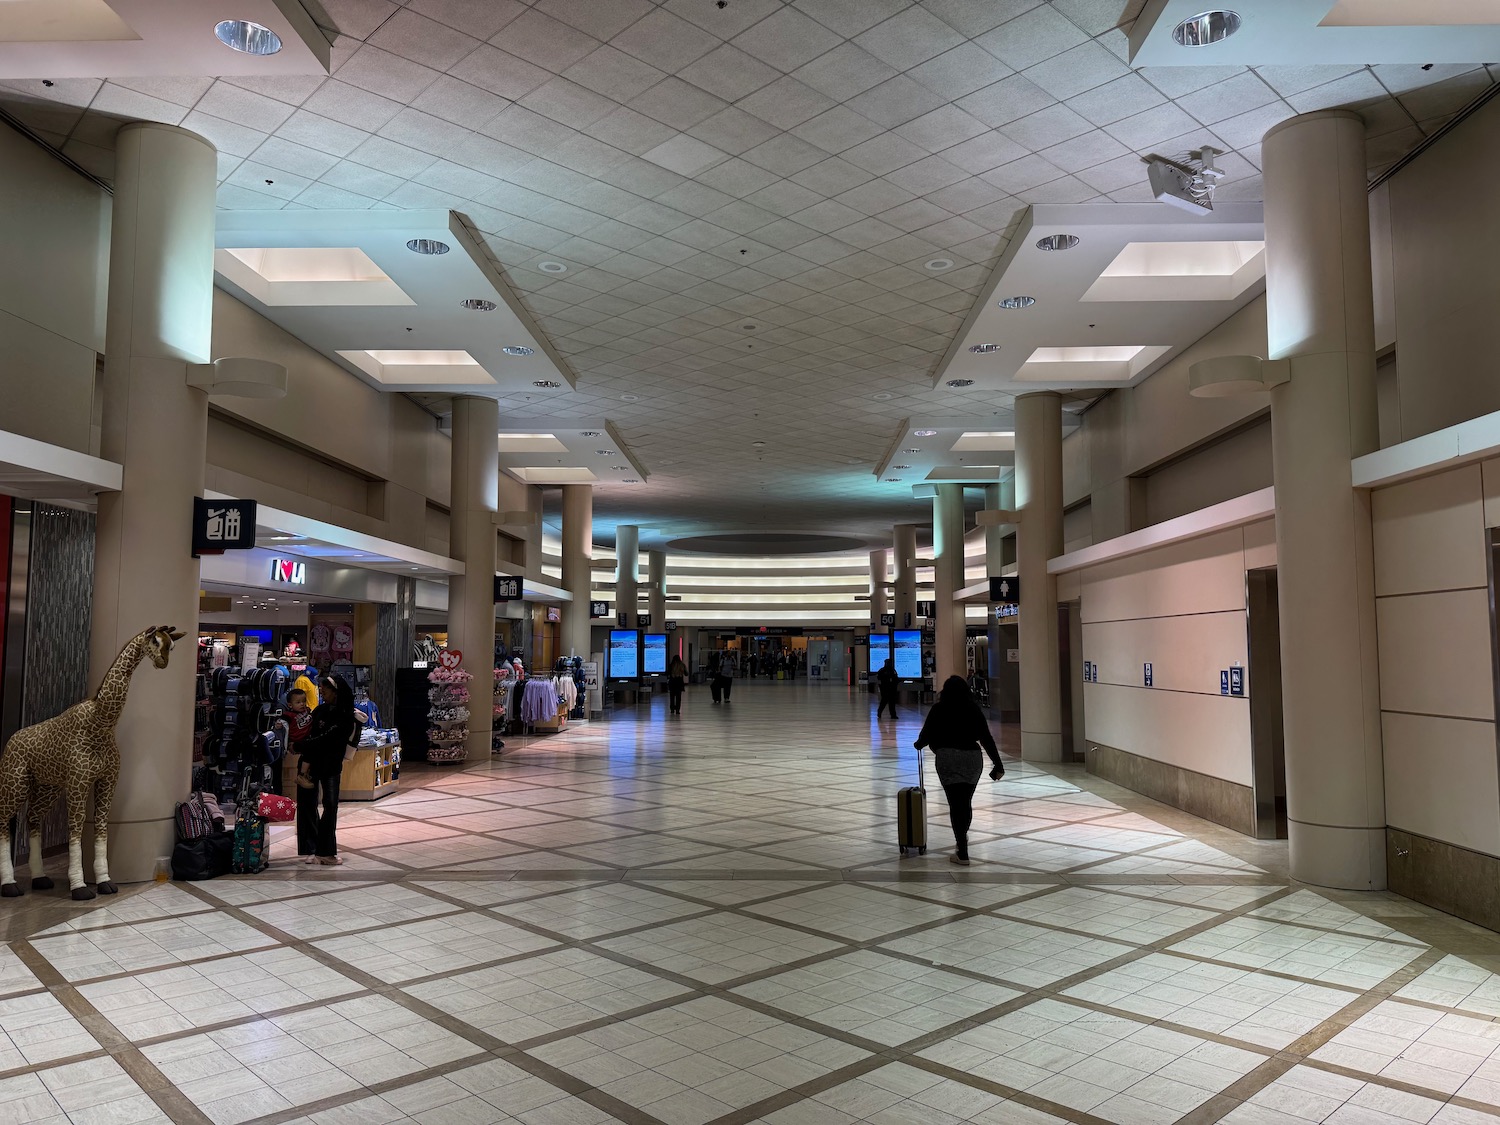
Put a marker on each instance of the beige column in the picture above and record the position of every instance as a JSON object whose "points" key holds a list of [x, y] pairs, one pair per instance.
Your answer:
{"points": [[577, 566], [905, 600], [628, 572], [948, 578], [656, 589], [880, 575], [475, 487], [1320, 317], [1038, 484], [998, 497], [159, 320]]}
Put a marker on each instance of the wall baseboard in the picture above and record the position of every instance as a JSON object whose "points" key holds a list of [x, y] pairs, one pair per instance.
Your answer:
{"points": [[1211, 798], [1445, 876]]}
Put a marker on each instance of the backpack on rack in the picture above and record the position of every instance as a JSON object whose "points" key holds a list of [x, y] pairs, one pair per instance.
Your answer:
{"points": [[251, 853]]}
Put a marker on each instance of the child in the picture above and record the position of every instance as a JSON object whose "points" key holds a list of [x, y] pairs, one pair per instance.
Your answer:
{"points": [[299, 723]]}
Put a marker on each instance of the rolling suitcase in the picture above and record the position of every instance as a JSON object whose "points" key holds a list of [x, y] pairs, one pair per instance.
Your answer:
{"points": [[911, 815]]}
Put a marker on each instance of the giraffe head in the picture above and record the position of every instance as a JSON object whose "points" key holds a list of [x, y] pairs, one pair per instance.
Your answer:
{"points": [[159, 643]]}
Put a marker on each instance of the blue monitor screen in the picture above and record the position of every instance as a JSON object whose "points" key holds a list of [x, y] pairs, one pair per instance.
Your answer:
{"points": [[880, 650], [624, 654], [909, 654], [656, 654], [261, 635]]}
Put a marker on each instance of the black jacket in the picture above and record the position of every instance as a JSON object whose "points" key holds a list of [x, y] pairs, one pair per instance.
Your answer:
{"points": [[957, 727], [887, 680], [323, 748]]}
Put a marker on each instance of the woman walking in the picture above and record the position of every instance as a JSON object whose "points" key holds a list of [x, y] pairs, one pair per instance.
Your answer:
{"points": [[677, 673], [960, 737], [334, 728]]}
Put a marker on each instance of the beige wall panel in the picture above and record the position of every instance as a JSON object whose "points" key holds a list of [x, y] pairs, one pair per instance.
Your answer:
{"points": [[1206, 733], [1237, 465], [1429, 533], [1440, 780], [54, 228], [1070, 586], [1260, 545], [1078, 528], [1204, 575], [1490, 476], [1382, 273], [1185, 653], [49, 383], [1435, 654], [436, 524], [1077, 474]]}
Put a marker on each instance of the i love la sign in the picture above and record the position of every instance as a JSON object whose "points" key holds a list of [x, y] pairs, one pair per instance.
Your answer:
{"points": [[450, 658]]}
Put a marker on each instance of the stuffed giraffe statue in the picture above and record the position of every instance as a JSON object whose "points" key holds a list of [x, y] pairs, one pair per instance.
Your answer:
{"points": [[70, 755]]}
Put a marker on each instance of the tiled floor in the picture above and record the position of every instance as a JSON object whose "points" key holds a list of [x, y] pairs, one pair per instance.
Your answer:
{"points": [[705, 920]]}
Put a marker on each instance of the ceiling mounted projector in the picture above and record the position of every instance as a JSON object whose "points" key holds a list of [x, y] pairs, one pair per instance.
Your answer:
{"points": [[1188, 184]]}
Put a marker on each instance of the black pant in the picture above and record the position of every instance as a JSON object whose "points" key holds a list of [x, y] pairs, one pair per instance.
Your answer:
{"points": [[961, 814], [887, 699], [674, 695], [317, 834], [721, 687]]}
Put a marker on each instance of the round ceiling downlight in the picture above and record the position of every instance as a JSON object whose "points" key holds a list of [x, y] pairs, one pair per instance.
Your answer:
{"points": [[630, 480], [552, 267], [247, 37], [427, 246], [1206, 28], [883, 396], [478, 304], [911, 451], [960, 382], [518, 349], [984, 349], [1057, 242], [937, 265], [604, 453], [546, 384], [589, 433], [1015, 302], [924, 433], [900, 466], [892, 480]]}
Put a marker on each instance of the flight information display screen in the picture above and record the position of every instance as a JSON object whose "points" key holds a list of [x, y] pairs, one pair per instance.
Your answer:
{"points": [[656, 654], [909, 654], [624, 654]]}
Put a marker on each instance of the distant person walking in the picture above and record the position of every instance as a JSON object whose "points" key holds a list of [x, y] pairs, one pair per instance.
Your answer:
{"points": [[727, 669], [677, 674], [888, 683], [956, 730]]}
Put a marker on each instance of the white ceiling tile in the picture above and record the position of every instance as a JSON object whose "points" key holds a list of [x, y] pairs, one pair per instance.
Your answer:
{"points": [[422, 40], [913, 215], [1082, 68], [927, 175], [984, 152], [120, 102], [1046, 127], [850, 17], [783, 198], [1174, 81], [277, 152], [666, 41], [966, 195], [180, 91], [685, 155], [294, 89], [613, 74], [1085, 151], [1032, 37], [388, 75], [531, 132], [1115, 100], [909, 38], [1022, 175], [1114, 175], [1142, 132], [831, 177], [544, 41], [974, 17], [828, 216], [1099, 16], [729, 73], [1246, 129], [837, 129], [896, 101], [676, 103], [229, 137], [733, 130], [323, 196], [568, 103], [268, 181], [1228, 98], [320, 133], [961, 71], [585, 154], [459, 102], [256, 111], [843, 72], [1356, 87], [1440, 99], [1069, 189], [1294, 79], [358, 18], [725, 22], [492, 69], [737, 177], [942, 128], [875, 196], [362, 180], [479, 18], [599, 20], [786, 39], [1005, 101], [626, 129]]}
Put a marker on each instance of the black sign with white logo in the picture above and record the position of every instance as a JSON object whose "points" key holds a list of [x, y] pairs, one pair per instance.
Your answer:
{"points": [[669, 625], [508, 588], [927, 609], [622, 620], [643, 620], [598, 609], [1006, 591], [222, 525], [887, 618]]}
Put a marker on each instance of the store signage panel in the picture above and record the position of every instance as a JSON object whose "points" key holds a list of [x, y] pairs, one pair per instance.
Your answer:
{"points": [[290, 571], [509, 588], [643, 620], [223, 525], [887, 618], [927, 609], [908, 653], [1003, 612], [598, 609], [669, 625], [624, 654], [1005, 590]]}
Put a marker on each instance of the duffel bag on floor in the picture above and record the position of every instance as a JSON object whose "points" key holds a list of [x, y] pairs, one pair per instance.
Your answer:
{"points": [[204, 857]]}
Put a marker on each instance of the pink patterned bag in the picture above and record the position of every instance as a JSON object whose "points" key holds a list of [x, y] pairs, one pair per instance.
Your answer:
{"points": [[278, 810]]}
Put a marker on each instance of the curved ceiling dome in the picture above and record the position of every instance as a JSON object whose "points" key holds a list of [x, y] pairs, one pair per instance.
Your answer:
{"points": [[766, 543]]}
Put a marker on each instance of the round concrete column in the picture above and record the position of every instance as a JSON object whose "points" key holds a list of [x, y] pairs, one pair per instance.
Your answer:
{"points": [[656, 589], [905, 607], [948, 578], [160, 319], [577, 565], [628, 572], [1320, 316], [880, 575], [475, 489], [1038, 484]]}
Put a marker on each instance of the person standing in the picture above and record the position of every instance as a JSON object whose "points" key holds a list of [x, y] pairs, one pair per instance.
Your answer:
{"points": [[334, 729], [676, 681], [715, 685], [956, 730], [888, 683], [727, 669]]}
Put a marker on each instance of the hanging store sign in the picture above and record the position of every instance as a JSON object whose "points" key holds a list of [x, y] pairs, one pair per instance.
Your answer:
{"points": [[887, 618], [1002, 612], [598, 609], [222, 525], [1005, 590], [669, 625], [290, 571], [927, 609], [509, 588]]}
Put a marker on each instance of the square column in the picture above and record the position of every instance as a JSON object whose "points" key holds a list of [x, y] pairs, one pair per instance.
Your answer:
{"points": [[577, 566], [473, 541], [1038, 485], [948, 578]]}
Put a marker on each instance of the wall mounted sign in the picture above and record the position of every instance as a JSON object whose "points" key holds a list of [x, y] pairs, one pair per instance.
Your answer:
{"points": [[927, 609], [598, 609], [1224, 681], [1236, 680], [1148, 675], [222, 525], [643, 620], [1002, 612], [669, 625], [290, 571], [508, 588], [887, 618], [1005, 590]]}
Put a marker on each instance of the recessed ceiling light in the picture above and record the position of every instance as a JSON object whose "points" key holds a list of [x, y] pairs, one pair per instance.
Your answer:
{"points": [[247, 37], [984, 349], [911, 451], [960, 382], [1206, 28], [937, 265], [426, 246], [630, 480], [892, 480], [546, 384], [552, 267], [758, 444], [924, 433], [900, 466], [604, 452], [518, 349], [630, 398], [1057, 242], [478, 304], [590, 433], [620, 468], [883, 395], [1016, 302]]}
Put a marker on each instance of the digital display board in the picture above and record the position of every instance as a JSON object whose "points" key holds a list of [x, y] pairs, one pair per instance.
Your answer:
{"points": [[624, 654], [909, 654], [656, 654], [261, 635], [880, 651]]}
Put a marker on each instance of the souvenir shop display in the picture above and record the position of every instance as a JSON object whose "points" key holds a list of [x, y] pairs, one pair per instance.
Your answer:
{"points": [[546, 701], [370, 773], [448, 717], [247, 738], [505, 690]]}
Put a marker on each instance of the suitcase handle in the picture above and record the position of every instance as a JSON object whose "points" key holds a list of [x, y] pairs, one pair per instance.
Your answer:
{"points": [[921, 778]]}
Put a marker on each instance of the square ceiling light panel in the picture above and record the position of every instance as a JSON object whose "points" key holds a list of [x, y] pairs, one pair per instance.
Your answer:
{"points": [[559, 474], [61, 21], [1118, 364], [531, 443], [414, 368], [308, 275], [1407, 13], [1180, 271], [984, 441]]}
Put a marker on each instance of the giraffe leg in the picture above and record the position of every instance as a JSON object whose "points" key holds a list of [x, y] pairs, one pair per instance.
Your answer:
{"points": [[104, 791], [77, 813], [38, 805], [9, 888]]}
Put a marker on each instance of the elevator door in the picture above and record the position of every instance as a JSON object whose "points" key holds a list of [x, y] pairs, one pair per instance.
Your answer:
{"points": [[1268, 751]]}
